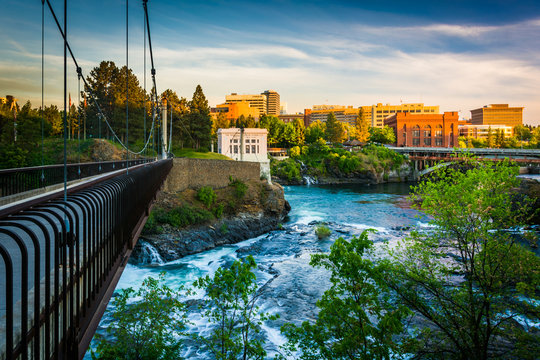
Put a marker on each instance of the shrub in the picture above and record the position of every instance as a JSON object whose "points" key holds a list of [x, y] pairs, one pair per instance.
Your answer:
{"points": [[294, 152], [287, 169], [183, 216], [224, 228], [322, 231], [240, 187], [218, 210], [206, 195]]}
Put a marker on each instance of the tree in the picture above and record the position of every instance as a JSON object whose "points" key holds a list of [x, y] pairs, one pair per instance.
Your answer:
{"points": [[522, 133], [299, 130], [489, 140], [356, 318], [361, 126], [467, 276], [180, 123], [274, 126], [315, 131], [499, 138], [288, 135], [384, 135], [146, 329], [231, 305], [200, 122]]}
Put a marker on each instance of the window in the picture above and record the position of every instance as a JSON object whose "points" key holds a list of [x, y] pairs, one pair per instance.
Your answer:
{"points": [[427, 131], [438, 141], [427, 141], [253, 149], [230, 149], [247, 149], [235, 141], [416, 133], [236, 149], [438, 131], [416, 141], [257, 142], [258, 148]]}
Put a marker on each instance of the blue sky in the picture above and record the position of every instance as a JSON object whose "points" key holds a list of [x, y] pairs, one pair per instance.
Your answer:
{"points": [[457, 54]]}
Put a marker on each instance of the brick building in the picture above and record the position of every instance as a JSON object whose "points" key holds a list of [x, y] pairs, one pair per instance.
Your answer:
{"points": [[425, 130]]}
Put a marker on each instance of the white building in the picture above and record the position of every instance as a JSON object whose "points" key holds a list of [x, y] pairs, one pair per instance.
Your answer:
{"points": [[245, 145], [481, 131]]}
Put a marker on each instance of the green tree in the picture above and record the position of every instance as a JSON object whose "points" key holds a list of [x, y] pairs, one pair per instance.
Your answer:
{"points": [[147, 329], [288, 135], [356, 318], [315, 131], [231, 305], [490, 141], [300, 130], [522, 133], [361, 126], [467, 276], [384, 135], [181, 134], [274, 126], [499, 138], [335, 131], [200, 122]]}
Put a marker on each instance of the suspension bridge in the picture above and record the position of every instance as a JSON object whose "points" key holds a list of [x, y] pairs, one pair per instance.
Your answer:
{"points": [[67, 231]]}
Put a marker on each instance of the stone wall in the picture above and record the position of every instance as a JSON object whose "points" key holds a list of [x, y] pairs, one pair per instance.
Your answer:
{"points": [[196, 173]]}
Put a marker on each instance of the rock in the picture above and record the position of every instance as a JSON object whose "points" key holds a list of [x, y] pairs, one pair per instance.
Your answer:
{"points": [[261, 213]]}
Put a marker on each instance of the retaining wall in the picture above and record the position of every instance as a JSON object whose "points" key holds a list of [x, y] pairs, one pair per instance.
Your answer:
{"points": [[196, 173]]}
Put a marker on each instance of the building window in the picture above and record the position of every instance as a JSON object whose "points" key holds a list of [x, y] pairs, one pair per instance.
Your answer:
{"points": [[258, 148], [438, 141], [247, 149], [253, 149], [427, 141], [416, 132], [416, 141], [230, 149], [235, 141], [236, 149]]}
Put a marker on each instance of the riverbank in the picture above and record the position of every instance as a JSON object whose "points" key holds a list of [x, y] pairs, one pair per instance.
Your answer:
{"points": [[182, 224], [322, 164]]}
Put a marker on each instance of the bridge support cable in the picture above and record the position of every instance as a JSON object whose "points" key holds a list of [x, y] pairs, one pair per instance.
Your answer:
{"points": [[127, 85], [77, 263], [89, 88]]}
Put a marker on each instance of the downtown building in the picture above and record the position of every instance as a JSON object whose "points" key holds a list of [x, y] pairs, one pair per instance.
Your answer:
{"points": [[255, 105], [424, 130], [497, 114]]}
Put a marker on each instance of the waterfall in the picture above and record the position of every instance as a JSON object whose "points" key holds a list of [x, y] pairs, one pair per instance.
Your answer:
{"points": [[307, 179], [149, 254]]}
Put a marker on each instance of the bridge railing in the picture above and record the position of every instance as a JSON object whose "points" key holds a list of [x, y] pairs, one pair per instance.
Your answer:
{"points": [[60, 261], [18, 180]]}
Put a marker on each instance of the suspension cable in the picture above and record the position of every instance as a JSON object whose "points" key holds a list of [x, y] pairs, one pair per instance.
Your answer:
{"points": [[42, 88], [170, 131], [79, 122], [144, 79], [65, 100], [127, 85], [89, 88]]}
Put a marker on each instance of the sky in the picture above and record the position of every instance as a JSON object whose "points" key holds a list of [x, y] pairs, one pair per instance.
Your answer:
{"points": [[458, 54]]}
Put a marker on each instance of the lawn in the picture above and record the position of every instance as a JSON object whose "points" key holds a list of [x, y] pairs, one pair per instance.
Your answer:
{"points": [[191, 153]]}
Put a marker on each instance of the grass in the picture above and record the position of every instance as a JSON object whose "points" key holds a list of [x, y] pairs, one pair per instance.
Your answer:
{"points": [[194, 154], [322, 231]]}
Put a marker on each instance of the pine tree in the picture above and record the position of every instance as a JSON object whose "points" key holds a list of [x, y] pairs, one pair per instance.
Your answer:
{"points": [[489, 140], [362, 127], [199, 119]]}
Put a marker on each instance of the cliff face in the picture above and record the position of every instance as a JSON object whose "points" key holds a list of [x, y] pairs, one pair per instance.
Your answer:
{"points": [[261, 210]]}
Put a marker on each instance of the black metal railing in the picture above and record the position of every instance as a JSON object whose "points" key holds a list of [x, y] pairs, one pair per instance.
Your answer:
{"points": [[14, 181], [62, 259]]}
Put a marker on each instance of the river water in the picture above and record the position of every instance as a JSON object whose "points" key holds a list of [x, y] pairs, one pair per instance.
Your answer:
{"points": [[290, 286]]}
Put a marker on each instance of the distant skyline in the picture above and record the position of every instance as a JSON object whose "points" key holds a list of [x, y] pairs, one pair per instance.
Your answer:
{"points": [[458, 54]]}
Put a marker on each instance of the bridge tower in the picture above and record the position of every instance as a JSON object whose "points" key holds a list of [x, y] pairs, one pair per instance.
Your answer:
{"points": [[164, 128]]}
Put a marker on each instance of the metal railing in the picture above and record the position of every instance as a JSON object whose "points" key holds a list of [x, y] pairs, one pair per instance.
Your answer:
{"points": [[62, 259], [18, 180]]}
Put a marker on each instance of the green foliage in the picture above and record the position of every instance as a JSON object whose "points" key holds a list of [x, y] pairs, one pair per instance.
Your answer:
{"points": [[356, 320], [240, 187], [224, 228], [218, 210], [294, 152], [383, 135], [322, 231], [147, 328], [287, 169], [207, 196], [231, 305], [335, 131], [467, 276], [182, 216], [522, 132], [315, 131], [393, 158]]}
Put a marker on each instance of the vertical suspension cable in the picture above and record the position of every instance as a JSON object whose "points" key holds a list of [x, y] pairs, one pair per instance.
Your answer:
{"points": [[42, 88], [65, 103], [170, 132], [79, 122], [127, 85], [144, 82]]}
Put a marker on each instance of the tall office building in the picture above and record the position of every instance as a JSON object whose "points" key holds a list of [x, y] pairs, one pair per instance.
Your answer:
{"points": [[255, 101], [376, 114], [497, 114], [272, 102]]}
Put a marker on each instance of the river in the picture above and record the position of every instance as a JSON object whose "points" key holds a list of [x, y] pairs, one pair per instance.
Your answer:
{"points": [[290, 286]]}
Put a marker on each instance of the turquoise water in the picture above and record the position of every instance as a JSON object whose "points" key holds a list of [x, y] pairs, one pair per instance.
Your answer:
{"points": [[290, 286]]}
